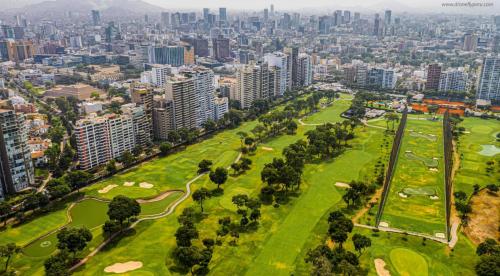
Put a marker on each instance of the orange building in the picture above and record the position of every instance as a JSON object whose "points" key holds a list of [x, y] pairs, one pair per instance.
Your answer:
{"points": [[16, 50], [188, 54], [453, 107]]}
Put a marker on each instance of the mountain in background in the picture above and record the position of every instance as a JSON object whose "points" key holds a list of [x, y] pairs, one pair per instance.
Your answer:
{"points": [[58, 7]]}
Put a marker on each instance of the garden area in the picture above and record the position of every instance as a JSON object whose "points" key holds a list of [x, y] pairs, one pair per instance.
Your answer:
{"points": [[416, 198]]}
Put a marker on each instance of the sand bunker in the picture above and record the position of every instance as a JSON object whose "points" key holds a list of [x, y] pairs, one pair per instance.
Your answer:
{"points": [[433, 169], [128, 184], [268, 149], [402, 195], [123, 267], [380, 267], [440, 235], [107, 189], [146, 185], [434, 197], [342, 185], [383, 224], [489, 150]]}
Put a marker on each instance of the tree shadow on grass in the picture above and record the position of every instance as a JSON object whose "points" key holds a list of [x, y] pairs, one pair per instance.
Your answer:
{"points": [[114, 242]]}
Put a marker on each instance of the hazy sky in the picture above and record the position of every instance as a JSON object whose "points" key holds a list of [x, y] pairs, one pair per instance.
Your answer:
{"points": [[399, 5]]}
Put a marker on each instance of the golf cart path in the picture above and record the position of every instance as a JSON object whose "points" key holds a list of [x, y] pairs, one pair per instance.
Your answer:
{"points": [[167, 212]]}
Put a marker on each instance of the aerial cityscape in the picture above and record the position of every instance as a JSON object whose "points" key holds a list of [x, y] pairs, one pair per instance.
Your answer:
{"points": [[216, 137]]}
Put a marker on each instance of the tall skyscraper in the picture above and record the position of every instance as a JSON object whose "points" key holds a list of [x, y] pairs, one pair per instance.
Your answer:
{"points": [[172, 55], [266, 15], [96, 17], [377, 25], [16, 167], [221, 48], [357, 16], [165, 19], [489, 79], [433, 76], [206, 13], [347, 17], [305, 70], [252, 83], [470, 42], [272, 9], [222, 14], [204, 92], [293, 55], [337, 17], [387, 17], [16, 50]]}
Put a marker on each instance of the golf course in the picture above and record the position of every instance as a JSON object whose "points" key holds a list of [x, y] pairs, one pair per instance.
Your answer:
{"points": [[416, 201]]}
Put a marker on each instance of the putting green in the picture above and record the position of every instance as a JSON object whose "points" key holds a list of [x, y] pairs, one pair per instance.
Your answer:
{"points": [[408, 262], [429, 162]]}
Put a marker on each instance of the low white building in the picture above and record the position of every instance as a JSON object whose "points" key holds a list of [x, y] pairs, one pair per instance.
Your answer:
{"points": [[221, 107]]}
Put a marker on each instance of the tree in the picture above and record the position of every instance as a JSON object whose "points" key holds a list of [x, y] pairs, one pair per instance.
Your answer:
{"points": [[219, 176], [57, 265], [209, 125], [127, 158], [73, 239], [185, 234], [391, 117], [58, 187], [165, 148], [78, 179], [187, 256], [240, 200], [492, 188], [460, 195], [8, 251], [200, 195], [360, 242], [173, 137], [110, 227], [432, 108], [122, 208], [137, 150], [5, 209], [489, 265], [337, 235], [488, 247], [291, 127], [204, 166], [245, 163], [111, 166]]}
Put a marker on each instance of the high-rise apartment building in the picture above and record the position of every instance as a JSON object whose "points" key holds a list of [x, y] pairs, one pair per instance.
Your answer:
{"points": [[163, 118], [181, 91], [204, 92], [433, 76], [470, 42], [222, 14], [305, 70], [142, 124], [280, 60], [255, 81], [452, 80], [159, 74], [489, 79], [16, 167], [16, 50], [293, 57]]}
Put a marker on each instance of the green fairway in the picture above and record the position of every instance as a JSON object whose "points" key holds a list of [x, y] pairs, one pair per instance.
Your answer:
{"points": [[157, 207], [407, 262], [473, 165], [416, 199], [330, 114]]}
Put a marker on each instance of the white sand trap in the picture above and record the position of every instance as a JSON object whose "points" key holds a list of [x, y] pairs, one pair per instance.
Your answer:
{"points": [[128, 184], [440, 235], [107, 189], [402, 195], [433, 170], [146, 185], [342, 185], [408, 151], [123, 267], [383, 224], [268, 149], [380, 267], [434, 197]]}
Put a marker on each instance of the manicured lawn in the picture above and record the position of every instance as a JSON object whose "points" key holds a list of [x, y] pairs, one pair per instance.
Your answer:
{"points": [[409, 255], [173, 171], [330, 114], [408, 262], [416, 198], [473, 164], [158, 207]]}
